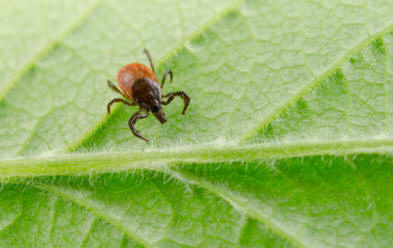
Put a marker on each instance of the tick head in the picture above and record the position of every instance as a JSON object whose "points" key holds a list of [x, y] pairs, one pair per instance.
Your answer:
{"points": [[158, 112]]}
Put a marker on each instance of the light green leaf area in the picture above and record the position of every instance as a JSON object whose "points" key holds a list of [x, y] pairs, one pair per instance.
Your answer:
{"points": [[28, 29], [288, 140]]}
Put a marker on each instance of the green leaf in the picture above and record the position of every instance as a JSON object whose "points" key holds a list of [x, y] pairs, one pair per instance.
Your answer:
{"points": [[288, 140]]}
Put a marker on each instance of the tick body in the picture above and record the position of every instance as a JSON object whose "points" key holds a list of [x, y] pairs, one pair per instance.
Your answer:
{"points": [[139, 86]]}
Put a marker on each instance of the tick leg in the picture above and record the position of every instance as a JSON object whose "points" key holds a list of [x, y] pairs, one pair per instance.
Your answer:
{"points": [[150, 60], [131, 123], [114, 88], [164, 77], [108, 107], [182, 94]]}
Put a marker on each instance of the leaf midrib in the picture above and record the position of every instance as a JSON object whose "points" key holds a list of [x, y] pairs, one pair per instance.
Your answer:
{"points": [[94, 163], [359, 146]]}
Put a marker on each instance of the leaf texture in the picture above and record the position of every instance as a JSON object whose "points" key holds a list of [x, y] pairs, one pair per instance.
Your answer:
{"points": [[287, 142]]}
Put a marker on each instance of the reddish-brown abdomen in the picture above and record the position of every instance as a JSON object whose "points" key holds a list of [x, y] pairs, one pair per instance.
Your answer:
{"points": [[131, 73]]}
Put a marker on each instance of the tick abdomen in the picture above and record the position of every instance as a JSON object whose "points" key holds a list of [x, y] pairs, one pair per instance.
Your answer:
{"points": [[131, 73]]}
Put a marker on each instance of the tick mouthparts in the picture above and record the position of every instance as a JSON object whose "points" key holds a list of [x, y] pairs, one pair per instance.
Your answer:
{"points": [[160, 116], [163, 120]]}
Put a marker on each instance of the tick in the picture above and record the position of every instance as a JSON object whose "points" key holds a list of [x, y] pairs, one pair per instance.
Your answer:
{"points": [[139, 85]]}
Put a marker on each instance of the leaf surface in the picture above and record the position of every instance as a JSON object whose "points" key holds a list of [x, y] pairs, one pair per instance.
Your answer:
{"points": [[287, 142]]}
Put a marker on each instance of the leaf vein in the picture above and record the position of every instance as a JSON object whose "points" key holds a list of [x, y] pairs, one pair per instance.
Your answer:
{"points": [[97, 212], [267, 119], [46, 49]]}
